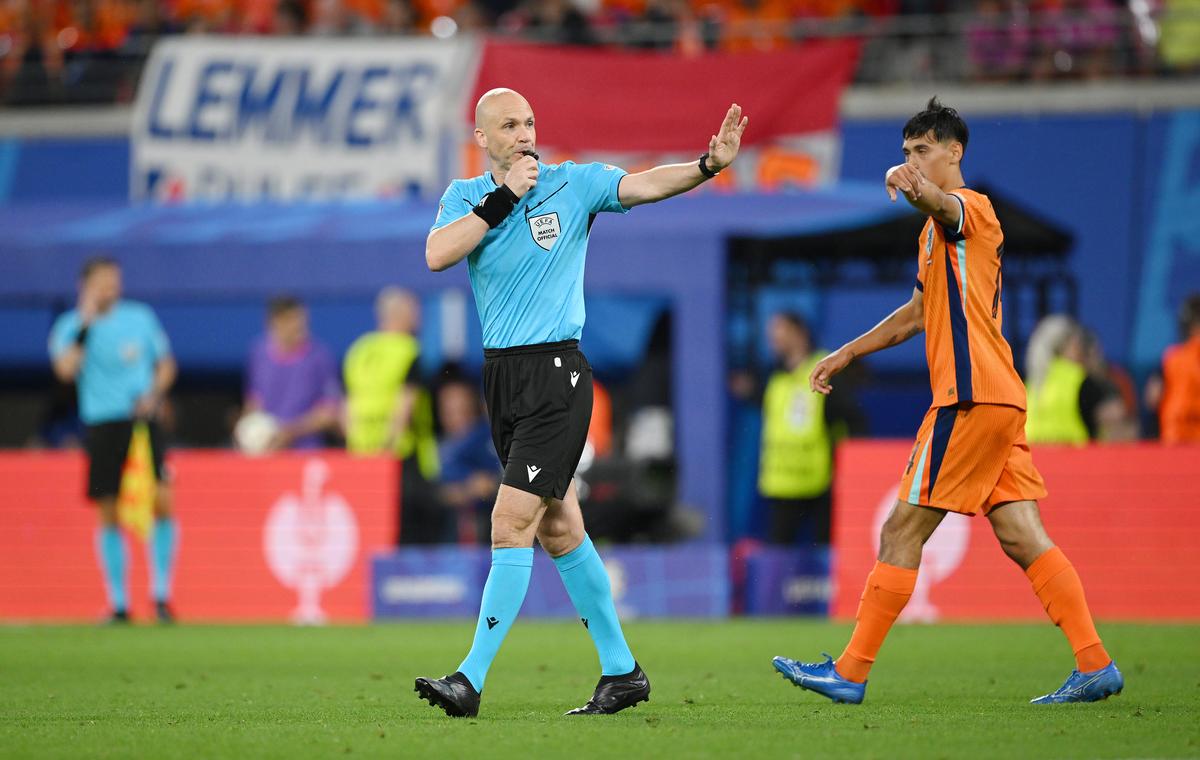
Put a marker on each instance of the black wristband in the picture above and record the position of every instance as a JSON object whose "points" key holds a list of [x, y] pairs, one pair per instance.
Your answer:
{"points": [[81, 336], [708, 173], [496, 206]]}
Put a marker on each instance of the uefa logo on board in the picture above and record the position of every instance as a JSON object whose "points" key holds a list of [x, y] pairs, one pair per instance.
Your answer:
{"points": [[310, 541]]}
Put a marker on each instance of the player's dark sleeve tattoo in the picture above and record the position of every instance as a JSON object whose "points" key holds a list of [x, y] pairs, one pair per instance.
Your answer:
{"points": [[887, 322], [903, 336]]}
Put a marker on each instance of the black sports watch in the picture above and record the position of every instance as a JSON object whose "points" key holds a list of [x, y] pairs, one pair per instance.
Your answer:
{"points": [[708, 173]]}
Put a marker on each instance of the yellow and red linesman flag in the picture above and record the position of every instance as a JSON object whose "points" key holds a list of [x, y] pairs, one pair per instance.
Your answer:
{"points": [[135, 501]]}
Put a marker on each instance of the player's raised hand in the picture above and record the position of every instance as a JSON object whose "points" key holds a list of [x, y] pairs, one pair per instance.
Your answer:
{"points": [[904, 178], [724, 145], [818, 381], [522, 176]]}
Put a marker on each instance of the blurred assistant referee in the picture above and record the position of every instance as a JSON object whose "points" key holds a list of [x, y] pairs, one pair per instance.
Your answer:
{"points": [[119, 356], [523, 228]]}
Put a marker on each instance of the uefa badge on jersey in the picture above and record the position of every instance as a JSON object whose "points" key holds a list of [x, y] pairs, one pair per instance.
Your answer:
{"points": [[544, 229]]}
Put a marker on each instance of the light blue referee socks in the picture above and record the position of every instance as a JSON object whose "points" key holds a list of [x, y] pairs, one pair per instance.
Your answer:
{"points": [[503, 594], [163, 544], [587, 584], [114, 564]]}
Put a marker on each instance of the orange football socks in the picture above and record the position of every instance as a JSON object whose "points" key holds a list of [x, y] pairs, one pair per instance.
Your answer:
{"points": [[1058, 586], [887, 591]]}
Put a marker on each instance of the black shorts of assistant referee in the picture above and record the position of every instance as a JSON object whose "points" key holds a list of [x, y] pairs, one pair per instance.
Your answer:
{"points": [[107, 449], [539, 399]]}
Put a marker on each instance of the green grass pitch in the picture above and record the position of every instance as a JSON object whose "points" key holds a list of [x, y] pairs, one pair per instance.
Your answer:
{"points": [[272, 692]]}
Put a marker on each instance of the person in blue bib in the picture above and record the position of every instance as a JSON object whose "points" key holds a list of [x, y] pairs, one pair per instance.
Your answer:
{"points": [[523, 229], [118, 355]]}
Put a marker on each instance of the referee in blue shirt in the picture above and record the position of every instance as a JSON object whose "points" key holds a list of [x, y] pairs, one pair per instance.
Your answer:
{"points": [[117, 354], [523, 229]]}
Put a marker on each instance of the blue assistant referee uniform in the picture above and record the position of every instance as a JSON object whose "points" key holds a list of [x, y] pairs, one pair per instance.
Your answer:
{"points": [[527, 277], [121, 350]]}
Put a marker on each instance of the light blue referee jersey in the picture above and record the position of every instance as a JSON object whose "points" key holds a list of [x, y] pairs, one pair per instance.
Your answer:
{"points": [[122, 348], [527, 274]]}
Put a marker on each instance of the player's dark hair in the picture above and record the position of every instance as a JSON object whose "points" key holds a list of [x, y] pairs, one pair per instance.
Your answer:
{"points": [[94, 263], [280, 305], [1189, 314], [944, 122]]}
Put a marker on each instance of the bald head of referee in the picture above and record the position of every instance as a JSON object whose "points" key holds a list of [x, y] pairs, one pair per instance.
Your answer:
{"points": [[504, 127]]}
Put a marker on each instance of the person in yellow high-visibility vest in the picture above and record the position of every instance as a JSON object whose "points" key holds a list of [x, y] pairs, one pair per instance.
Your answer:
{"points": [[1069, 402], [799, 431], [388, 412]]}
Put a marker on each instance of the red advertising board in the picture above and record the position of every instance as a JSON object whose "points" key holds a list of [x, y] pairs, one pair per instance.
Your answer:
{"points": [[1126, 516], [285, 537]]}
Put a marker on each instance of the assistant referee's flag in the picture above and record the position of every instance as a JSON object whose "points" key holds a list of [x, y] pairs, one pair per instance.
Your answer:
{"points": [[135, 502]]}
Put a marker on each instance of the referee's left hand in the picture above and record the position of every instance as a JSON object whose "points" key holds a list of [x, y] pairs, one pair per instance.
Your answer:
{"points": [[724, 145]]}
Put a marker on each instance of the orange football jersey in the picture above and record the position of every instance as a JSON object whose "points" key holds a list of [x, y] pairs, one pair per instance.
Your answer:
{"points": [[959, 274]]}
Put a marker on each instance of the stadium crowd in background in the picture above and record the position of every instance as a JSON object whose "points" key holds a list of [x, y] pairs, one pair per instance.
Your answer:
{"points": [[436, 429], [293, 399], [91, 50]]}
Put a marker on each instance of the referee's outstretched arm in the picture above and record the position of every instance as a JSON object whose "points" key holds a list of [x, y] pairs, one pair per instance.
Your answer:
{"points": [[506, 131], [672, 179]]}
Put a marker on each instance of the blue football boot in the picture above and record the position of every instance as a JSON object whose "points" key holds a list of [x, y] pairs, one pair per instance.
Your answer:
{"points": [[822, 678], [1086, 687]]}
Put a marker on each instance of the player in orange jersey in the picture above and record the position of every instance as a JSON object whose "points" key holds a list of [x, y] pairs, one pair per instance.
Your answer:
{"points": [[970, 456]]}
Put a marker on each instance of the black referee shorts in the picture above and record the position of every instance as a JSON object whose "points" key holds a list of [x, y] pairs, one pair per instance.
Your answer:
{"points": [[107, 449], [539, 399]]}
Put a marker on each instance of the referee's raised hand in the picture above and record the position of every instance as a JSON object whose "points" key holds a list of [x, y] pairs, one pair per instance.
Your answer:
{"points": [[724, 145], [522, 176]]}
